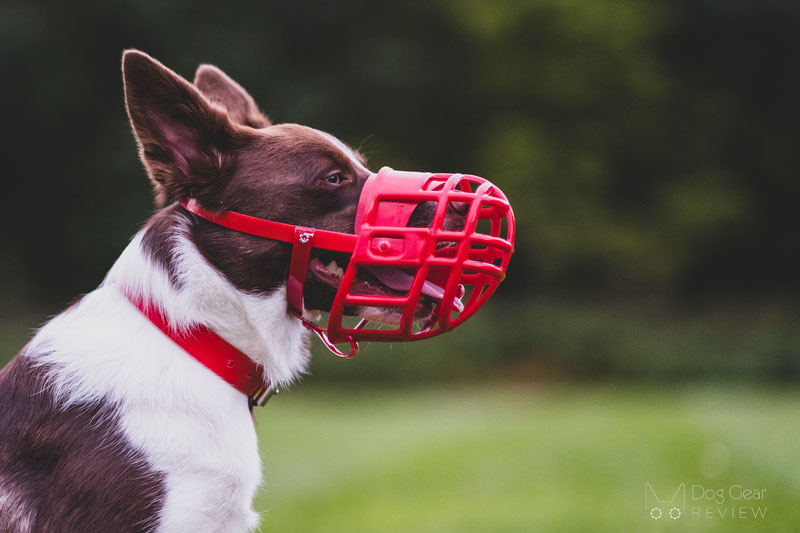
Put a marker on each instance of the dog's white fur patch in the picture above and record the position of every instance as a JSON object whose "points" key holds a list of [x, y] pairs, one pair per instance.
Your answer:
{"points": [[14, 517], [348, 153], [188, 422]]}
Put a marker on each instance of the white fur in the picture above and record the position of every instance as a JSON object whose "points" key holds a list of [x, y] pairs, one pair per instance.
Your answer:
{"points": [[339, 145], [188, 422], [13, 514]]}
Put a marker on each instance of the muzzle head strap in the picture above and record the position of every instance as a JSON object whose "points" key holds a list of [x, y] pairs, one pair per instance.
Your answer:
{"points": [[429, 277]]}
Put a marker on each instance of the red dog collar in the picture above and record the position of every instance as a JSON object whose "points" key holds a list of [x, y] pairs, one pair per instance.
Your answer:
{"points": [[216, 354]]}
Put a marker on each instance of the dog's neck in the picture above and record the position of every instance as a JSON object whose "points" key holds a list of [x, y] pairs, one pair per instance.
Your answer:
{"points": [[190, 292], [190, 424]]}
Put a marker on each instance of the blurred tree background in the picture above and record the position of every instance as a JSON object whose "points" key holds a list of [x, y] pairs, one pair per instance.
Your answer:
{"points": [[650, 150]]}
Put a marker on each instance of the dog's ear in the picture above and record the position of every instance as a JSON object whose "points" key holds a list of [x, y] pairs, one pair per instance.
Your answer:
{"points": [[185, 142], [221, 89]]}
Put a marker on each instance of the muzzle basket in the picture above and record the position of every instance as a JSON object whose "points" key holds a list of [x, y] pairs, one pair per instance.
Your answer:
{"points": [[466, 262]]}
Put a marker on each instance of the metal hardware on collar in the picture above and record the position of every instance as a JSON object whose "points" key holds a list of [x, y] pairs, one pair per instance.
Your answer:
{"points": [[261, 399]]}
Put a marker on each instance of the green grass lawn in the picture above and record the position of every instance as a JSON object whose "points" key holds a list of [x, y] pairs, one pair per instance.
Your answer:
{"points": [[526, 458]]}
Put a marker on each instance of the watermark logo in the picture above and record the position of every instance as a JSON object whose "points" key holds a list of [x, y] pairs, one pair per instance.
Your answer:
{"points": [[672, 506], [735, 502]]}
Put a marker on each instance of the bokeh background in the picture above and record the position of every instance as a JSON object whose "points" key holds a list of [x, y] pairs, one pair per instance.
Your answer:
{"points": [[647, 331]]}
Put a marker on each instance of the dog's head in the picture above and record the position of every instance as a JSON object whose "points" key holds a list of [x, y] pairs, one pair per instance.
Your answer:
{"points": [[209, 141]]}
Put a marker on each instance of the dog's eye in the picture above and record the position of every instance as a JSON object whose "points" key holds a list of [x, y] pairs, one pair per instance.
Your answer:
{"points": [[334, 179]]}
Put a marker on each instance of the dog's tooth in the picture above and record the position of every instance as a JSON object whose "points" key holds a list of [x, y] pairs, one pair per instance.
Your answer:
{"points": [[331, 267], [340, 272]]}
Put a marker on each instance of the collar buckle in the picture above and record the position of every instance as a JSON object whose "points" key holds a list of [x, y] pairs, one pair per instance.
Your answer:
{"points": [[260, 398]]}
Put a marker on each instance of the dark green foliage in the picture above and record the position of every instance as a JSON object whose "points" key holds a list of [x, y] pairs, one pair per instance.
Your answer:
{"points": [[650, 148]]}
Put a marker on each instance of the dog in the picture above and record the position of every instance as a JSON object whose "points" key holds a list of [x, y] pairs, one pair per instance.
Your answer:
{"points": [[106, 423]]}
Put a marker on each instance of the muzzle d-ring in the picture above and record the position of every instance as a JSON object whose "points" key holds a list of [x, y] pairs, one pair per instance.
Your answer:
{"points": [[323, 336]]}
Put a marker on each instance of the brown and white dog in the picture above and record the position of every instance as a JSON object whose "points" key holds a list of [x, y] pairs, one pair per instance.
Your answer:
{"points": [[105, 423]]}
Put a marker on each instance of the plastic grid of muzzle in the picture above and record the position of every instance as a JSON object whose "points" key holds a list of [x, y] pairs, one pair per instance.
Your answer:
{"points": [[468, 263], [460, 266]]}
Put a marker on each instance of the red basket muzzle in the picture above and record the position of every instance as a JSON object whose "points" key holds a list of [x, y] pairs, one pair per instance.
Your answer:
{"points": [[418, 281]]}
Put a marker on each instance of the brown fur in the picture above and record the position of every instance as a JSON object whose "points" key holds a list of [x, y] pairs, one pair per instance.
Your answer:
{"points": [[184, 141], [157, 239], [68, 469], [222, 90], [203, 144]]}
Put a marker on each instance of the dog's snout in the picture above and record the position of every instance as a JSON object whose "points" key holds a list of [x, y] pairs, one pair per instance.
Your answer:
{"points": [[454, 219], [459, 208], [456, 216]]}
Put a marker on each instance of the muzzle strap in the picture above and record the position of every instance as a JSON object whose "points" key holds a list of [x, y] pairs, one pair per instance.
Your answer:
{"points": [[298, 267], [302, 240], [396, 267]]}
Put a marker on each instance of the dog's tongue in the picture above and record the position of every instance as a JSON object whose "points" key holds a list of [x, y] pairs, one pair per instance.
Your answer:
{"points": [[396, 279]]}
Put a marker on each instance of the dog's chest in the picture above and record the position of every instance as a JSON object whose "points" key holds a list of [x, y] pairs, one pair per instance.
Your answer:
{"points": [[188, 424], [211, 465]]}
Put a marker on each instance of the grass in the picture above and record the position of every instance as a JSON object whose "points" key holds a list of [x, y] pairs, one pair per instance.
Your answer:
{"points": [[495, 458], [525, 458]]}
